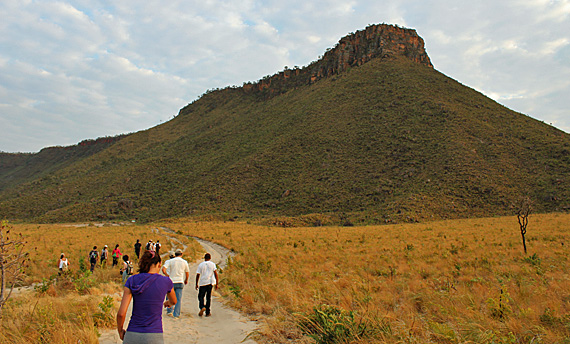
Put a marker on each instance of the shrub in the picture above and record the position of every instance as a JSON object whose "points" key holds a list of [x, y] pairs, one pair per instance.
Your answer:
{"points": [[500, 307], [104, 318], [44, 285], [533, 260], [548, 317], [329, 325], [83, 282], [82, 264]]}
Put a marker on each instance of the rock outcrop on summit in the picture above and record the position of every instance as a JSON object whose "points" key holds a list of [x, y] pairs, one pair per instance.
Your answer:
{"points": [[376, 41]]}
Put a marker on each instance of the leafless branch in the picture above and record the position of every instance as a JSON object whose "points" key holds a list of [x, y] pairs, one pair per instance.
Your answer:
{"points": [[12, 262]]}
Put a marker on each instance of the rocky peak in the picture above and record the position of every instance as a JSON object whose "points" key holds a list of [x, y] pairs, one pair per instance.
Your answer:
{"points": [[376, 41]]}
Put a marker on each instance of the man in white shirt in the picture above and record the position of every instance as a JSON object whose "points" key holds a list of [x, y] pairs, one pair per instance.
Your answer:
{"points": [[179, 272], [206, 278]]}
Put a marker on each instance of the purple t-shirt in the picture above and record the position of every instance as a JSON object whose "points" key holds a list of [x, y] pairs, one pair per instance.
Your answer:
{"points": [[148, 298]]}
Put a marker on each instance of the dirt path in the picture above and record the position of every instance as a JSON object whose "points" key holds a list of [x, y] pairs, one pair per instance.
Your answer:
{"points": [[225, 326]]}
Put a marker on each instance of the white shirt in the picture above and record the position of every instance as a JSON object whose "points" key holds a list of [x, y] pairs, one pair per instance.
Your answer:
{"points": [[206, 270], [176, 268], [63, 263]]}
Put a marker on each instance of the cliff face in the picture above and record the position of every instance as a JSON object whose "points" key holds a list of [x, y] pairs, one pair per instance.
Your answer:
{"points": [[376, 41]]}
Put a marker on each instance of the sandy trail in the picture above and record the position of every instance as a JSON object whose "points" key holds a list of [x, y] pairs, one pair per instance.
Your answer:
{"points": [[225, 326]]}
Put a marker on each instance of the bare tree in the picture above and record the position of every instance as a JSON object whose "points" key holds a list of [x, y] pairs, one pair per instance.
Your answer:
{"points": [[524, 209], [12, 262]]}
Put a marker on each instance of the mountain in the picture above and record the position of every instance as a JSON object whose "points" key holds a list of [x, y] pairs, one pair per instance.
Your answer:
{"points": [[370, 133], [19, 168]]}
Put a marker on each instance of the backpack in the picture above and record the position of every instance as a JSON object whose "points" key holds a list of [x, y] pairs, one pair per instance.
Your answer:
{"points": [[93, 255], [129, 268]]}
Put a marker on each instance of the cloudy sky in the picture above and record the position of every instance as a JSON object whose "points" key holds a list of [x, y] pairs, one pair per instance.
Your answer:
{"points": [[75, 70]]}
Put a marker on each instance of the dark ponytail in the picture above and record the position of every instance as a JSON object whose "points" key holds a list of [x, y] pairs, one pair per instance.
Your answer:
{"points": [[148, 259]]}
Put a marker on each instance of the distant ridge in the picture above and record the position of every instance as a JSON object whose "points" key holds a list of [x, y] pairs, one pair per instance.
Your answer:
{"points": [[370, 133], [16, 168]]}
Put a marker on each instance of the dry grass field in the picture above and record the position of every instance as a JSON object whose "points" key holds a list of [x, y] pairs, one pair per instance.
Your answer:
{"points": [[70, 308], [460, 281]]}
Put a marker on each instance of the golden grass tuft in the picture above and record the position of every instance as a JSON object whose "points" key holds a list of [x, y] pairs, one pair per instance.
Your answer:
{"points": [[65, 319]]}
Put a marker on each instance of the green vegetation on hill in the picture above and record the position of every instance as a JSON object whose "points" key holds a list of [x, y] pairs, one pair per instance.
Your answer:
{"points": [[18, 168], [391, 140]]}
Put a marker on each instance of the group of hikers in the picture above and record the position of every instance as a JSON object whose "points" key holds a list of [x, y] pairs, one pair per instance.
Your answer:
{"points": [[96, 259], [149, 288]]}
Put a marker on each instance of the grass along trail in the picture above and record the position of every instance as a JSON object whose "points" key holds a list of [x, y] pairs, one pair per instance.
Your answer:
{"points": [[225, 326]]}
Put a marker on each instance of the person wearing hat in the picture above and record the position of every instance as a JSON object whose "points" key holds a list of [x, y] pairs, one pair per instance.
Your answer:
{"points": [[179, 272]]}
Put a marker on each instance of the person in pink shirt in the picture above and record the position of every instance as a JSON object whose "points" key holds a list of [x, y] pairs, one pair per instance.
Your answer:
{"points": [[116, 255]]}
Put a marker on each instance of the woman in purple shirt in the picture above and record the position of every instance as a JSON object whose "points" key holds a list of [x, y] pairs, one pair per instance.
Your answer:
{"points": [[147, 289]]}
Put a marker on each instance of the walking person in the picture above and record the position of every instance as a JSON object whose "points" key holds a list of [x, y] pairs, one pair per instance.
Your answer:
{"points": [[116, 254], [179, 272], [127, 268], [93, 257], [206, 278], [147, 290], [104, 256], [138, 249], [62, 264], [157, 247]]}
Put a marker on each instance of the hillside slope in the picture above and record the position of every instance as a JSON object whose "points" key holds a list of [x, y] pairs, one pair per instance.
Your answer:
{"points": [[18, 168], [387, 140]]}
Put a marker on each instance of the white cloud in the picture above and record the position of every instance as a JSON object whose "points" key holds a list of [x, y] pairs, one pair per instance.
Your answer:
{"points": [[77, 69], [552, 47], [548, 10], [313, 39], [265, 29]]}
